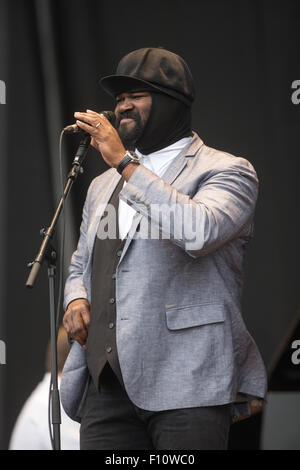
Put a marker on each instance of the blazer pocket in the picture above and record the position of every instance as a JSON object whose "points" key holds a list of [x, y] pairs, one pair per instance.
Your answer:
{"points": [[194, 315]]}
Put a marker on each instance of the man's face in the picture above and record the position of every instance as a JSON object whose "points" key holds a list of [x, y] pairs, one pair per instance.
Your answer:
{"points": [[132, 112]]}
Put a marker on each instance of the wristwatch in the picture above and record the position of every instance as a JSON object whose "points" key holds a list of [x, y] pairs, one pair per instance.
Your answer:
{"points": [[129, 157]]}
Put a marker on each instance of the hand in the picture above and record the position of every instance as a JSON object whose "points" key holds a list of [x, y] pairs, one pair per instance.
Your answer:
{"points": [[105, 138], [76, 320]]}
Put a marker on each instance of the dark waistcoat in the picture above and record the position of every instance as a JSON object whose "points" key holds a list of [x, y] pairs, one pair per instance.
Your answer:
{"points": [[101, 343]]}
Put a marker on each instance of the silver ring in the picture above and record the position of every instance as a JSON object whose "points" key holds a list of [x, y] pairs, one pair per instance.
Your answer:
{"points": [[97, 125]]}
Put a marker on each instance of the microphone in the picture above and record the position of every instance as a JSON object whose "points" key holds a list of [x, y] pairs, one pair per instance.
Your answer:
{"points": [[74, 129]]}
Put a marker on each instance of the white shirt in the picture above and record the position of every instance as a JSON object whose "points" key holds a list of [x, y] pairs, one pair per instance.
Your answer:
{"points": [[31, 430], [157, 162]]}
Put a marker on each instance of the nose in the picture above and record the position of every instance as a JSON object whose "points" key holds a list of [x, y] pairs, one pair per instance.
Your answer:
{"points": [[125, 105]]}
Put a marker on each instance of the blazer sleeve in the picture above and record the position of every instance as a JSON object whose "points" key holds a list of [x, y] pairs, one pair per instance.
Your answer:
{"points": [[221, 209], [74, 286]]}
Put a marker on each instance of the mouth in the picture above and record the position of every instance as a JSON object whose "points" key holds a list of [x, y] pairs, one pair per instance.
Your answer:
{"points": [[126, 120]]}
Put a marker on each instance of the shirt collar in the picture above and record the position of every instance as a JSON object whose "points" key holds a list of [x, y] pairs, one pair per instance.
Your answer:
{"points": [[159, 160]]}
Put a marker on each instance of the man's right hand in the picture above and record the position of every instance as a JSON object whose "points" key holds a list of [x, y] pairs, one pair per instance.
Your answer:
{"points": [[76, 320]]}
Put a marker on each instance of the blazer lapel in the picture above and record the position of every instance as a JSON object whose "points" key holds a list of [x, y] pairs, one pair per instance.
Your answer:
{"points": [[180, 161], [100, 205]]}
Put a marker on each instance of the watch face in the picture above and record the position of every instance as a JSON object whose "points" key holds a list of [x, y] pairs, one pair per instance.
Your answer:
{"points": [[134, 156]]}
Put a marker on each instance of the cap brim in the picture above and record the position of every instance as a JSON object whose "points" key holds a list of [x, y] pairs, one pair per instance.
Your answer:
{"points": [[117, 84]]}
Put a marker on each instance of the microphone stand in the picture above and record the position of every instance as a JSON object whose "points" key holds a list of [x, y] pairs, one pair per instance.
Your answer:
{"points": [[49, 253]]}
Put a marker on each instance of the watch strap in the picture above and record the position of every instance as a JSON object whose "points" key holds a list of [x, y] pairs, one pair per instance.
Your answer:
{"points": [[128, 158]]}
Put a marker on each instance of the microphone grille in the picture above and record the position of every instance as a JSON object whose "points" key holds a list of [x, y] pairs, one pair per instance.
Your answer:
{"points": [[110, 115]]}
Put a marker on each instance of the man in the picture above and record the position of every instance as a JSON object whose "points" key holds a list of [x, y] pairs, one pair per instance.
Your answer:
{"points": [[156, 310]]}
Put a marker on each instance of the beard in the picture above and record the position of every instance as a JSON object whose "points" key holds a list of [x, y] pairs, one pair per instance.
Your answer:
{"points": [[131, 136]]}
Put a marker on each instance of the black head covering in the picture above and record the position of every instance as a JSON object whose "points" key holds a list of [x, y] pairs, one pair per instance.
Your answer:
{"points": [[168, 122], [155, 68], [168, 78]]}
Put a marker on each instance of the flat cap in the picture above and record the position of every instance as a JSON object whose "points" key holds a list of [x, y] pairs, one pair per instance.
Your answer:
{"points": [[152, 68]]}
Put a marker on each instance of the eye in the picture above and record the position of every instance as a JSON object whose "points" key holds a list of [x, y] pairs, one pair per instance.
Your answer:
{"points": [[138, 96]]}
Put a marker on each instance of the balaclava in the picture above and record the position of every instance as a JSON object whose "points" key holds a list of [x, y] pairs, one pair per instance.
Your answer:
{"points": [[169, 121]]}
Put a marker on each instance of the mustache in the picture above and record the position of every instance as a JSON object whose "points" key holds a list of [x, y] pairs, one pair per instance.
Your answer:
{"points": [[128, 115]]}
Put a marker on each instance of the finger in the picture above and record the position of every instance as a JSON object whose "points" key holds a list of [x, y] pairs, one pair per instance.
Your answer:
{"points": [[81, 339], [94, 143], [98, 116], [86, 318], [81, 319], [76, 325], [79, 324], [87, 128], [86, 117], [105, 119], [80, 336], [94, 113], [68, 325], [67, 322], [91, 117]]}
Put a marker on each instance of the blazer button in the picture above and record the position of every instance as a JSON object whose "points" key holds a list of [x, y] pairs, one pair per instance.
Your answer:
{"points": [[119, 253], [114, 276], [111, 300], [111, 325], [108, 349]]}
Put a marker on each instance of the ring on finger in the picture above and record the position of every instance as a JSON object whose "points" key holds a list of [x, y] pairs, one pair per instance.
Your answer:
{"points": [[98, 125]]}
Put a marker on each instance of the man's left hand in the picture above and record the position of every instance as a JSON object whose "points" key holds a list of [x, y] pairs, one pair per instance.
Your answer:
{"points": [[104, 136]]}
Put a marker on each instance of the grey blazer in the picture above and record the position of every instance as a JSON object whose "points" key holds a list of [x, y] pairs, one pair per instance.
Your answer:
{"points": [[181, 338]]}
